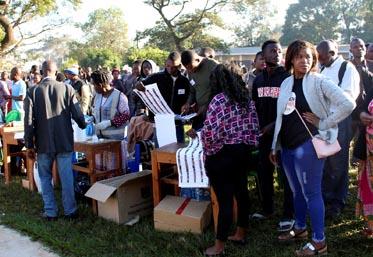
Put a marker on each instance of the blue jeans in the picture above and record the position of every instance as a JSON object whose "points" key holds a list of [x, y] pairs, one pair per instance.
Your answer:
{"points": [[304, 172], [335, 178], [64, 165]]}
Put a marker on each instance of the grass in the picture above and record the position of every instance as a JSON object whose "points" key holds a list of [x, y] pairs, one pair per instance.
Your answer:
{"points": [[95, 237]]}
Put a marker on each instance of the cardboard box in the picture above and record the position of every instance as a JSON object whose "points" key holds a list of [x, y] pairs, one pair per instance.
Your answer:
{"points": [[122, 198], [180, 214]]}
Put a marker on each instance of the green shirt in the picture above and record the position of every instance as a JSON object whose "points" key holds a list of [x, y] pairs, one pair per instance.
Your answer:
{"points": [[200, 81]]}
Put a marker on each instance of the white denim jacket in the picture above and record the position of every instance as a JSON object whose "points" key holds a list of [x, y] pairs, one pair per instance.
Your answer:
{"points": [[322, 96]]}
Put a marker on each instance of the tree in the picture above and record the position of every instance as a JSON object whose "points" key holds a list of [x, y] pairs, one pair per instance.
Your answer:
{"points": [[15, 14], [315, 20], [181, 26], [107, 29], [160, 37], [95, 57], [257, 28], [157, 55]]}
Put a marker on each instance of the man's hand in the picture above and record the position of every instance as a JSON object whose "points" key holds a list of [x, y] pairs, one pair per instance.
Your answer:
{"points": [[366, 118], [191, 133], [185, 108], [311, 118], [140, 86], [267, 129], [273, 158], [31, 153]]}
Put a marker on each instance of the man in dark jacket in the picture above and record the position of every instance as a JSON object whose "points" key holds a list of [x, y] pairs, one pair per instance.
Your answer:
{"points": [[49, 108], [266, 88], [173, 86]]}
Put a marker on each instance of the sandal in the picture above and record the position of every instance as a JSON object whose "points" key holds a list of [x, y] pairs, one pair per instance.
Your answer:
{"points": [[367, 232], [293, 235], [309, 249], [240, 242]]}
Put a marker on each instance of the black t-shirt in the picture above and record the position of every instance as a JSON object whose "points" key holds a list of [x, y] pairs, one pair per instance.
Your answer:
{"points": [[265, 93], [293, 133]]}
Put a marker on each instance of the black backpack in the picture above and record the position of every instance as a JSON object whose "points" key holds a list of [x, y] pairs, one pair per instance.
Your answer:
{"points": [[341, 71]]}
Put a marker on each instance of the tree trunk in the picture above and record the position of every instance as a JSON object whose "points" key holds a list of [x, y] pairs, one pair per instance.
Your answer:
{"points": [[9, 37]]}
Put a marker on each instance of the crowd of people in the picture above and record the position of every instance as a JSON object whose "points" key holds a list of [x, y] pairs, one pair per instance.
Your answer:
{"points": [[279, 107]]}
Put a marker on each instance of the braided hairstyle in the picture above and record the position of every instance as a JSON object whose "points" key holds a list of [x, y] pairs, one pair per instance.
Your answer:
{"points": [[100, 77], [227, 78]]}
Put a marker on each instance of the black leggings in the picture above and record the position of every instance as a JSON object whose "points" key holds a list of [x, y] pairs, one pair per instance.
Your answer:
{"points": [[227, 171]]}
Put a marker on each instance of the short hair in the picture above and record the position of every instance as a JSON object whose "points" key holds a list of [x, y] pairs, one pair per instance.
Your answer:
{"points": [[100, 77], [257, 55], [174, 56], [207, 52], [187, 57], [355, 39], [269, 42], [60, 77], [48, 66], [137, 62], [293, 51]]}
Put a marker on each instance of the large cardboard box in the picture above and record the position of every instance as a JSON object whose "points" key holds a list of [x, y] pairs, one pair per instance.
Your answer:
{"points": [[180, 214], [122, 198]]}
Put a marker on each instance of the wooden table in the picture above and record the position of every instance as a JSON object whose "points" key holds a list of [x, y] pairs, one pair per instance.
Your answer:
{"points": [[90, 149], [8, 135], [167, 155]]}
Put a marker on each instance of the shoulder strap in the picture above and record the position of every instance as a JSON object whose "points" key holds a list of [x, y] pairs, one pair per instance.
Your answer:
{"points": [[341, 72], [322, 68], [304, 123]]}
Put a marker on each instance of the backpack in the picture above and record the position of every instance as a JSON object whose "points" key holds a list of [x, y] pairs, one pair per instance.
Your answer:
{"points": [[341, 71]]}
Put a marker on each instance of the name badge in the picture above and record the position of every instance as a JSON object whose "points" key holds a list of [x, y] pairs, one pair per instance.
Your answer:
{"points": [[181, 92], [192, 82]]}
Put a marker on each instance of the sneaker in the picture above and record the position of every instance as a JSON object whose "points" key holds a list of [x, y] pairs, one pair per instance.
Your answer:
{"points": [[45, 217], [285, 225], [258, 216]]}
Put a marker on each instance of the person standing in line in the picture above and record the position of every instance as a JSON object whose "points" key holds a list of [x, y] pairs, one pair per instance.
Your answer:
{"points": [[4, 92], [335, 176], [266, 88], [259, 65], [306, 108], [49, 108], [229, 134], [18, 89]]}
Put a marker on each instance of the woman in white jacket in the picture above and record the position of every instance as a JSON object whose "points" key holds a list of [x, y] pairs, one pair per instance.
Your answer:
{"points": [[313, 96]]}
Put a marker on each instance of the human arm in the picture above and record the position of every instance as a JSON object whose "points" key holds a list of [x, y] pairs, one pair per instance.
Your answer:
{"points": [[29, 120], [343, 105], [86, 97], [75, 109], [209, 132]]}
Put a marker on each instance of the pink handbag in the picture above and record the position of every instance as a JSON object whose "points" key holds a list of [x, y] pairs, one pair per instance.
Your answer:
{"points": [[323, 149]]}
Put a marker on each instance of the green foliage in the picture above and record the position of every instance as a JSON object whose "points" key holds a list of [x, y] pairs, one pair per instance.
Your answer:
{"points": [[315, 20], [256, 29], [93, 57], [68, 63], [106, 28], [153, 53]]}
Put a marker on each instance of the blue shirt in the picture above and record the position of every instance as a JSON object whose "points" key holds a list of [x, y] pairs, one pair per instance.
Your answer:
{"points": [[18, 88]]}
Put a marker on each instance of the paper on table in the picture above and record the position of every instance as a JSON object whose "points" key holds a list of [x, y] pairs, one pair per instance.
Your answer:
{"points": [[166, 130], [190, 165], [19, 135]]}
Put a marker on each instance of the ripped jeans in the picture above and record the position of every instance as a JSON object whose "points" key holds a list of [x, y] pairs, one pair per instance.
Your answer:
{"points": [[304, 172]]}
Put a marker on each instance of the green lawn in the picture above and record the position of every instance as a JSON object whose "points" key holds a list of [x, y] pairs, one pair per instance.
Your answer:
{"points": [[92, 236]]}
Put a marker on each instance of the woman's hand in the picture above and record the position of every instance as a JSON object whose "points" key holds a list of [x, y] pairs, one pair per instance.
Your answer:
{"points": [[311, 118], [273, 158], [366, 118]]}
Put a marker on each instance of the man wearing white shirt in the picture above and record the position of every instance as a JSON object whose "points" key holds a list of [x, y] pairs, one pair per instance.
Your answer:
{"points": [[335, 179], [18, 89]]}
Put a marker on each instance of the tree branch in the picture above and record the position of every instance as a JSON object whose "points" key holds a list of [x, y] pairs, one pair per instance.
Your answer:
{"points": [[181, 10], [9, 38]]}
